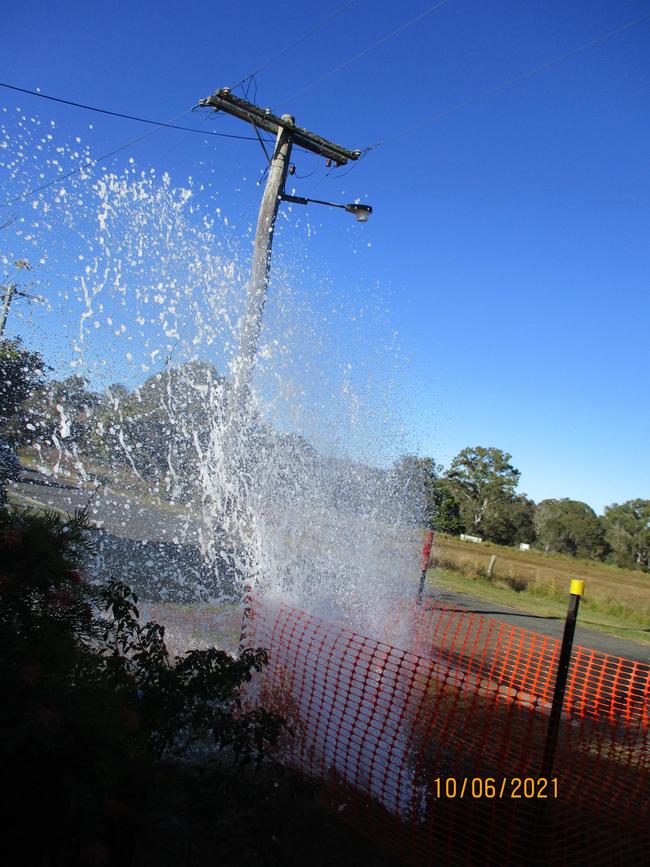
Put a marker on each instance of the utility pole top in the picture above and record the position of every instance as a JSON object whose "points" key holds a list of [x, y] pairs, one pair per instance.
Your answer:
{"points": [[223, 100]]}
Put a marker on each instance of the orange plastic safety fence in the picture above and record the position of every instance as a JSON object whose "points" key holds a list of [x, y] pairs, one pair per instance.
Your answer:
{"points": [[438, 751]]}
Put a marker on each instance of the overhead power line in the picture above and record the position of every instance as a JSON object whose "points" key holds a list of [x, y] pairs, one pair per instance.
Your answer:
{"points": [[524, 75], [294, 44], [157, 123], [91, 162], [365, 51]]}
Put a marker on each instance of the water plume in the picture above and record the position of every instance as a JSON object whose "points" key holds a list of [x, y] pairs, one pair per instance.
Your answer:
{"points": [[295, 491]]}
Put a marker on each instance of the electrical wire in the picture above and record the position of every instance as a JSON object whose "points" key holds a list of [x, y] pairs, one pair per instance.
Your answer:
{"points": [[261, 140], [365, 51], [294, 44], [312, 172], [499, 87], [91, 162], [155, 123]]}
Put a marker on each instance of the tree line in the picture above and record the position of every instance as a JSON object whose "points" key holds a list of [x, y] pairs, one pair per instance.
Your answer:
{"points": [[477, 495], [157, 430]]}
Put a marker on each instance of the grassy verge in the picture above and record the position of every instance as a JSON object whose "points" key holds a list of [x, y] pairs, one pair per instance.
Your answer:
{"points": [[124, 484], [552, 603], [615, 597]]}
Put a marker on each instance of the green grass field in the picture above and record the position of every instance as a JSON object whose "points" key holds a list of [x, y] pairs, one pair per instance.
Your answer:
{"points": [[616, 601]]}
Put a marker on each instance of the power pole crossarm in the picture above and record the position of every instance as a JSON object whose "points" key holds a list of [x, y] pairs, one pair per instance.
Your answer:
{"points": [[223, 100]]}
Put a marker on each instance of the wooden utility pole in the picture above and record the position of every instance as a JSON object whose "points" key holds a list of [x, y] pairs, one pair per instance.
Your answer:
{"points": [[261, 267], [235, 452], [287, 134], [12, 291], [10, 288]]}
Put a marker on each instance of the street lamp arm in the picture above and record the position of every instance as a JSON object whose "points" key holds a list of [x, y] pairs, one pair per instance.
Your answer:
{"points": [[361, 212]]}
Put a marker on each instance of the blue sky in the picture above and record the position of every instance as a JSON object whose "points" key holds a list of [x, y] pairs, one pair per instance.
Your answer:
{"points": [[510, 237]]}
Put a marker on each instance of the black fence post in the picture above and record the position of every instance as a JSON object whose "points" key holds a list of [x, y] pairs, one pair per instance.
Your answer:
{"points": [[543, 809], [577, 589]]}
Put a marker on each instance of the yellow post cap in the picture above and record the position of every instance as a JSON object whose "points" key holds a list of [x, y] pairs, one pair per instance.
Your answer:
{"points": [[577, 587]]}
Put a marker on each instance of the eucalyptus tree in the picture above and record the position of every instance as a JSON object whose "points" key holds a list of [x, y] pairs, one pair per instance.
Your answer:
{"points": [[570, 527], [484, 481], [627, 530]]}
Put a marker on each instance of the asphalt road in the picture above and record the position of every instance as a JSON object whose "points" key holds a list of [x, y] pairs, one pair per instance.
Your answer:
{"points": [[119, 514], [153, 549], [547, 625]]}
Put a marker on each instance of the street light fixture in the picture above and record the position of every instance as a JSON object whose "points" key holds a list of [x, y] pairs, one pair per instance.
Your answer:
{"points": [[361, 212]]}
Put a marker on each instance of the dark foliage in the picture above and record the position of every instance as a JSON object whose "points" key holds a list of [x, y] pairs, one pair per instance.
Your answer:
{"points": [[570, 527], [112, 754], [21, 373], [91, 700]]}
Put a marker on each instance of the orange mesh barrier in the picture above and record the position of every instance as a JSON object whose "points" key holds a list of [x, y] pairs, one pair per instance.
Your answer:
{"points": [[437, 752]]}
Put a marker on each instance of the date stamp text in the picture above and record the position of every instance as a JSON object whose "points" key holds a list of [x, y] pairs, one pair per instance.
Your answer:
{"points": [[529, 788]]}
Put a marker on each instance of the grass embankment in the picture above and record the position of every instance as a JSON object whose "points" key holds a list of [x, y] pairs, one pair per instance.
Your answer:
{"points": [[617, 601], [123, 482]]}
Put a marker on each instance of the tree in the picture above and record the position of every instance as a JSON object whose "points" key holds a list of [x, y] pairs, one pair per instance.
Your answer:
{"points": [[482, 480], [21, 373], [61, 414], [627, 531], [421, 480], [415, 477], [443, 508], [512, 522], [160, 429], [570, 527]]}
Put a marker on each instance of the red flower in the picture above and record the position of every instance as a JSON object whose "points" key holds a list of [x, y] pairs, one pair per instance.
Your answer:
{"points": [[131, 719], [75, 576], [12, 538], [4, 579], [116, 808]]}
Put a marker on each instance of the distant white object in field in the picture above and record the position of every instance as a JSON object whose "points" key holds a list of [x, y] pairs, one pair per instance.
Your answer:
{"points": [[466, 538], [524, 546]]}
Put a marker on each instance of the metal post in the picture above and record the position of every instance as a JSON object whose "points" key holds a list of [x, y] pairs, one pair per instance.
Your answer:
{"points": [[577, 589], [424, 563], [536, 846]]}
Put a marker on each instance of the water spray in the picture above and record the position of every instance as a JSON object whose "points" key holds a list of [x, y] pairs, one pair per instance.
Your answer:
{"points": [[210, 496], [236, 444]]}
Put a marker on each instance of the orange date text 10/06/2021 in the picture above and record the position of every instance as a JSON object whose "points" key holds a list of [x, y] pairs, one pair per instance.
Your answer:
{"points": [[528, 788]]}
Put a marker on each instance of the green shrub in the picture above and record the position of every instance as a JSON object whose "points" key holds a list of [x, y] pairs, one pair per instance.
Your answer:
{"points": [[91, 701]]}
